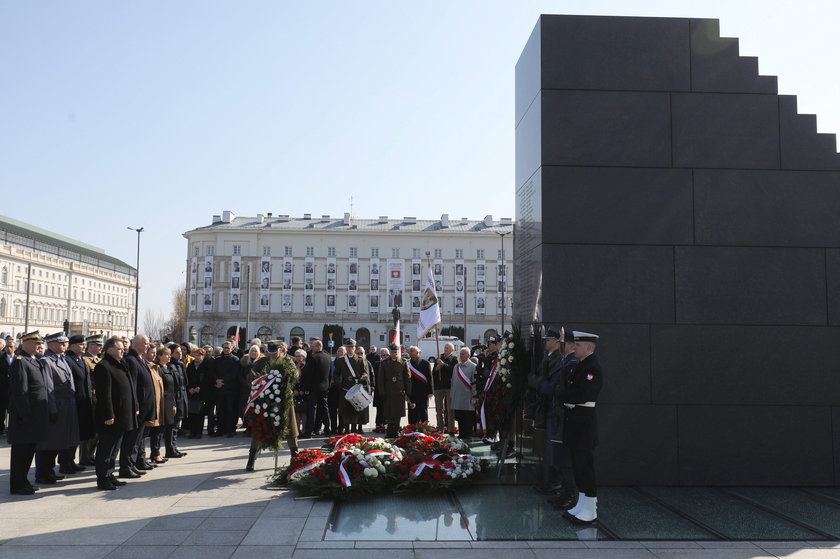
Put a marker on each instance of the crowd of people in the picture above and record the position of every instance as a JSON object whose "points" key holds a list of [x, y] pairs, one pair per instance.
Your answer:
{"points": [[120, 405]]}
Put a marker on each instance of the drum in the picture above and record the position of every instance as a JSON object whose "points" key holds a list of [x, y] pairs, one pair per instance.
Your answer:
{"points": [[359, 397]]}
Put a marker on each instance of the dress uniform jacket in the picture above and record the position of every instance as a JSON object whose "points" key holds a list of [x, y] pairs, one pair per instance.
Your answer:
{"points": [[63, 433], [30, 402], [115, 396], [463, 396], [393, 382], [583, 384], [83, 381], [350, 371]]}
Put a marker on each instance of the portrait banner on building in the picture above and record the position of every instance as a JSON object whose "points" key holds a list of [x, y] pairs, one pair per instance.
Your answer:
{"points": [[480, 287], [235, 282], [396, 282], [502, 284], [331, 280], [460, 286], [265, 283], [308, 283], [374, 285], [353, 285], [287, 284], [208, 283], [416, 279], [193, 280]]}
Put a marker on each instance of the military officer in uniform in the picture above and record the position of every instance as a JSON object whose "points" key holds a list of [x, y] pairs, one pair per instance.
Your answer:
{"points": [[63, 431], [349, 371], [92, 356], [30, 410], [83, 381], [393, 382], [579, 396]]}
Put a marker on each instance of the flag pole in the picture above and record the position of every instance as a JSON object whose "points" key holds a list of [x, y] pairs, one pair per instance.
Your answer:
{"points": [[437, 339]]}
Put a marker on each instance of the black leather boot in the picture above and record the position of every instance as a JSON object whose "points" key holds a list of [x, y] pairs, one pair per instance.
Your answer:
{"points": [[252, 457]]}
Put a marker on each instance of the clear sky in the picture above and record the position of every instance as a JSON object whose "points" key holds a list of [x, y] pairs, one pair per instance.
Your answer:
{"points": [[160, 114]]}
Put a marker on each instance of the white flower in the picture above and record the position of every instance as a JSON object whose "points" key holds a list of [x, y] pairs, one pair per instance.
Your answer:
{"points": [[510, 345], [509, 385], [371, 472], [257, 408], [503, 361], [510, 359]]}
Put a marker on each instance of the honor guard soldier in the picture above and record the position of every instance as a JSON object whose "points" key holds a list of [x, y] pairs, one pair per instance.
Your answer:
{"points": [[30, 410], [393, 382], [580, 428]]}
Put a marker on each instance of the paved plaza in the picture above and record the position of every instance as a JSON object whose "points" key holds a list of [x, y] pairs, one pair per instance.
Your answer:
{"points": [[206, 506]]}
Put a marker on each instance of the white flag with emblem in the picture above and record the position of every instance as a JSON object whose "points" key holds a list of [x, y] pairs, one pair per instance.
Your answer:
{"points": [[429, 307]]}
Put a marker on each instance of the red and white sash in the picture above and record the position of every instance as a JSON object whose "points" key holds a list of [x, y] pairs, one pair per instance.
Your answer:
{"points": [[417, 374], [462, 377], [487, 385]]}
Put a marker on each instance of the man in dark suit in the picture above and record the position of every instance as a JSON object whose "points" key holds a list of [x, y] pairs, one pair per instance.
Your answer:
{"points": [[7, 356], [115, 412], [316, 379], [144, 388], [83, 381], [30, 410], [226, 377], [421, 386]]}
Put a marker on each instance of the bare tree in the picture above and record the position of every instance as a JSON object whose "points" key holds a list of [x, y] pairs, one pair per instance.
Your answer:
{"points": [[153, 324], [177, 322]]}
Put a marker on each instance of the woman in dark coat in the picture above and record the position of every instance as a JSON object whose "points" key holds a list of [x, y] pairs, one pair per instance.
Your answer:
{"points": [[195, 382], [179, 373], [170, 407], [115, 411]]}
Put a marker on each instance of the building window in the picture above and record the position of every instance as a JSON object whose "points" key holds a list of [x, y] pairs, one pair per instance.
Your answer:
{"points": [[297, 331], [288, 251], [479, 254], [459, 253], [267, 251], [499, 254], [237, 250], [310, 251], [395, 253], [354, 252], [374, 253], [330, 251], [4, 276], [415, 253], [264, 333], [438, 253], [211, 250], [2, 308]]}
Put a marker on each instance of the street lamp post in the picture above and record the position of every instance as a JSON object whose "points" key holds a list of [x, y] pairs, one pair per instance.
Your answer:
{"points": [[137, 279], [504, 281]]}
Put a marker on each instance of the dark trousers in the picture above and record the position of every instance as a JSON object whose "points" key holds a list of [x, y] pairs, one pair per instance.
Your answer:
{"points": [[21, 461], [195, 422], [332, 407], [45, 463], [110, 442], [419, 414], [3, 399], [212, 420], [67, 456], [170, 434], [583, 465], [155, 436], [466, 421], [130, 447], [226, 412], [317, 412]]}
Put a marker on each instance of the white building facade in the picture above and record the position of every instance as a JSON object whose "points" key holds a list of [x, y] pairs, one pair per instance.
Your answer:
{"points": [[276, 277], [70, 284]]}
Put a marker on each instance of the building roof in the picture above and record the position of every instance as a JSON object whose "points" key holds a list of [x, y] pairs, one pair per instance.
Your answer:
{"points": [[227, 221], [14, 232]]}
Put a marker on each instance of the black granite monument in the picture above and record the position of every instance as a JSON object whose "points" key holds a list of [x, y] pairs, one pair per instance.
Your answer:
{"points": [[669, 199]]}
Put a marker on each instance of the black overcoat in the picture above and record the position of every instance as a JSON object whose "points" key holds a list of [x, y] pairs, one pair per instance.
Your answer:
{"points": [[115, 396], [30, 402], [83, 379]]}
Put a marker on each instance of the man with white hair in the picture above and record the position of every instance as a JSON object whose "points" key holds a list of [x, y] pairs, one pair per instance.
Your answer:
{"points": [[464, 393], [442, 376], [580, 427]]}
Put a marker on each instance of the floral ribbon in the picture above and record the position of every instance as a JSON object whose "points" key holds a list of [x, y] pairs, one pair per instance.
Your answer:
{"points": [[311, 466], [262, 389], [342, 473]]}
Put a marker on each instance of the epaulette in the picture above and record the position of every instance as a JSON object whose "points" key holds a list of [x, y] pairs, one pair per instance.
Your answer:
{"points": [[18, 357]]}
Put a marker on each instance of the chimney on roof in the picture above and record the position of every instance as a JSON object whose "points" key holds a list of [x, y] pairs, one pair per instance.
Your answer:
{"points": [[217, 219], [228, 216], [444, 220], [346, 220], [488, 220], [283, 218], [260, 218], [409, 220], [325, 218], [307, 216], [383, 219], [268, 214], [507, 220]]}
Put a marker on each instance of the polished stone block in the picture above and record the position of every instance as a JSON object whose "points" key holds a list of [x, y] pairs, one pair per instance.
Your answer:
{"points": [[528, 143], [720, 285], [592, 205], [759, 208], [528, 74], [632, 284], [717, 130], [629, 436], [755, 445], [607, 53], [593, 128], [801, 146], [764, 369]]}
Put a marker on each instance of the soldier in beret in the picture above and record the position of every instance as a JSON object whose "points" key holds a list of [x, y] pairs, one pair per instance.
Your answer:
{"points": [[580, 425], [30, 410]]}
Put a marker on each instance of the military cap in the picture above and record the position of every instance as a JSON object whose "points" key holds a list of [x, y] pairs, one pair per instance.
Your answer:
{"points": [[569, 337], [34, 336], [273, 345], [492, 340], [349, 342], [77, 339], [57, 337], [94, 340], [585, 337], [393, 347], [9, 337], [552, 334]]}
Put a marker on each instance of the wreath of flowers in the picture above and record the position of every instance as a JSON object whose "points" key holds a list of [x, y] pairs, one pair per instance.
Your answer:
{"points": [[267, 412], [353, 465], [500, 399]]}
